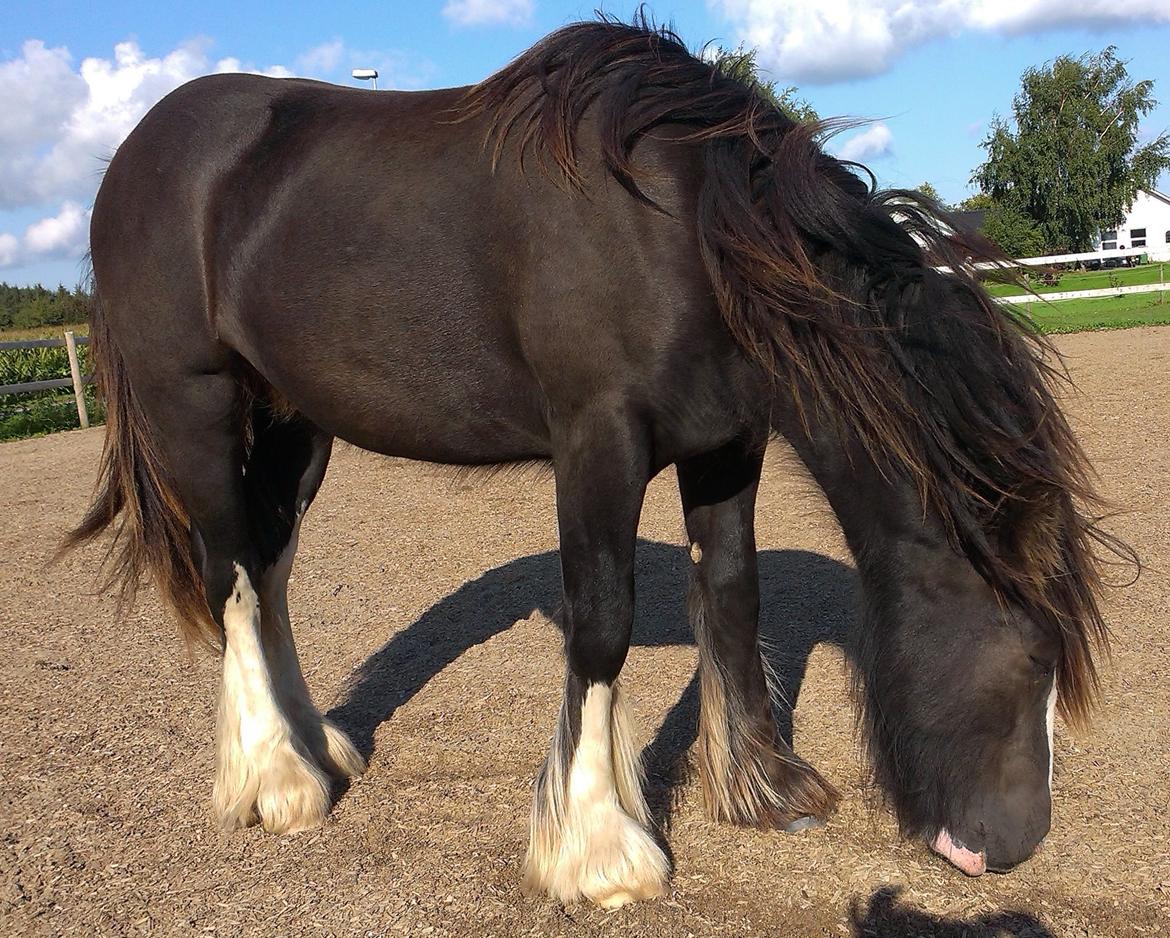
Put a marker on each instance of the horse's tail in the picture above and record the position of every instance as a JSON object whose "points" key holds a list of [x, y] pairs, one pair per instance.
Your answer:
{"points": [[135, 497]]}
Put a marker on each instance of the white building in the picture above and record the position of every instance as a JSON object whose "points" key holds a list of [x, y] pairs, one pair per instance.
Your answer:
{"points": [[1146, 225]]}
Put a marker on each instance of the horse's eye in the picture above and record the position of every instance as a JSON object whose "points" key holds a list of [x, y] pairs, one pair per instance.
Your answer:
{"points": [[1042, 666]]}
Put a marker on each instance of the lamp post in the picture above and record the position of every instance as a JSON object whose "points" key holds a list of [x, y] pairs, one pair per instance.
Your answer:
{"points": [[366, 74]]}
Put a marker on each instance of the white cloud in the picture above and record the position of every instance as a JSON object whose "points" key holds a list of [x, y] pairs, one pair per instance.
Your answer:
{"points": [[39, 90], [58, 123], [232, 64], [323, 58], [489, 12], [9, 250], [61, 236], [834, 40], [64, 233], [871, 143]]}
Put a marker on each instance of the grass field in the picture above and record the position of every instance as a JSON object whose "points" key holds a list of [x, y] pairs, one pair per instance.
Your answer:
{"points": [[1091, 280], [43, 332], [1107, 312]]}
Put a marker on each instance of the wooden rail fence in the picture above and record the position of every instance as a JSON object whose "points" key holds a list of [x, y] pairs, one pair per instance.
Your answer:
{"points": [[76, 380]]}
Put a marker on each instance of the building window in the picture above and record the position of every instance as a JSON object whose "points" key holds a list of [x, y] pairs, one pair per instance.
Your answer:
{"points": [[1109, 236], [1168, 237], [1138, 237], [1108, 245]]}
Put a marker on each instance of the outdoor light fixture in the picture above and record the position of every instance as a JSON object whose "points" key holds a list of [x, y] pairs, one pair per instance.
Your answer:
{"points": [[366, 74]]}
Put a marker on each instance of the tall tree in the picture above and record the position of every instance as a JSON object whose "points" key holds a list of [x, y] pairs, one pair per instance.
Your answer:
{"points": [[741, 64], [1014, 233], [932, 193], [29, 307], [1069, 159]]}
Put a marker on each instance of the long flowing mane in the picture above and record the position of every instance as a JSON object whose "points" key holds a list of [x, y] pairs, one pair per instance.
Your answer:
{"points": [[862, 302]]}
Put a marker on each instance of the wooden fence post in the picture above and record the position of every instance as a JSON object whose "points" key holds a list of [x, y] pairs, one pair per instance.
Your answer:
{"points": [[78, 387]]}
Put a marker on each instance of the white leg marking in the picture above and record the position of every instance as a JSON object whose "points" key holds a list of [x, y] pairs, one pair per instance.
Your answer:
{"points": [[265, 770], [1050, 720], [589, 837], [328, 744]]}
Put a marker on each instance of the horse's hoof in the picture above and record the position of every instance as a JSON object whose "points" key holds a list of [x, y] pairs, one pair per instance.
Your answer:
{"points": [[803, 824]]}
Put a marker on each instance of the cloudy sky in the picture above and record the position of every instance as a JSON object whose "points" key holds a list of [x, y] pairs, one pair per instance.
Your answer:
{"points": [[75, 77]]}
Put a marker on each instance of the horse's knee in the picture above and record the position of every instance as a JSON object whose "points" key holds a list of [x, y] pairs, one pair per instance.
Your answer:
{"points": [[597, 655]]}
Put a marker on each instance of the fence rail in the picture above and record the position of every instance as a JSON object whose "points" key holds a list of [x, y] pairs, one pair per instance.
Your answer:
{"points": [[48, 385], [1082, 294], [41, 343], [76, 380]]}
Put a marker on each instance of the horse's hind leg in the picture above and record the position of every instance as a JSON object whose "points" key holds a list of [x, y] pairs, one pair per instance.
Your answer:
{"points": [[285, 468], [749, 775], [275, 750], [243, 507], [590, 822]]}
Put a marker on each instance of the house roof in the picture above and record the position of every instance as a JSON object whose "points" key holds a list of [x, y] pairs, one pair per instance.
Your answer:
{"points": [[1161, 196]]}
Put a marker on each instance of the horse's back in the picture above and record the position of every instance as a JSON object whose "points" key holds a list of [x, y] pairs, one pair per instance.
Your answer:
{"points": [[331, 235]]}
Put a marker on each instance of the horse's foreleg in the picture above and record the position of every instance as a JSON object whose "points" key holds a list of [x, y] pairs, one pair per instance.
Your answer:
{"points": [[749, 775], [590, 822]]}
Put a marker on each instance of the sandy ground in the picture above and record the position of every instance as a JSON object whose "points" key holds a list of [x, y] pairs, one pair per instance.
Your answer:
{"points": [[421, 599]]}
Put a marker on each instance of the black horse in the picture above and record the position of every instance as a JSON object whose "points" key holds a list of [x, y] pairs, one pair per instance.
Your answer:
{"points": [[612, 256]]}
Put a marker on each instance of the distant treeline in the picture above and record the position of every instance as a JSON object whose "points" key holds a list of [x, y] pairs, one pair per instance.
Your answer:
{"points": [[31, 307]]}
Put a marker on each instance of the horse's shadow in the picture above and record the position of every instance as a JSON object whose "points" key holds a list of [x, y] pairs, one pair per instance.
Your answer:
{"points": [[886, 916], [806, 599]]}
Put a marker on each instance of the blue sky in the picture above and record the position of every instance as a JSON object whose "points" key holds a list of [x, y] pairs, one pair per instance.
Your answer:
{"points": [[929, 73]]}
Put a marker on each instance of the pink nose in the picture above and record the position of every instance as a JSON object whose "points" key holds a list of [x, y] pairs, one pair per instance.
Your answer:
{"points": [[973, 864]]}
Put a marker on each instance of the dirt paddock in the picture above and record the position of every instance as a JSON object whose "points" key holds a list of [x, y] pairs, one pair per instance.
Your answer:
{"points": [[422, 599]]}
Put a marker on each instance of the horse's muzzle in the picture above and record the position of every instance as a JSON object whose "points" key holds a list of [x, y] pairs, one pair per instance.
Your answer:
{"points": [[955, 853]]}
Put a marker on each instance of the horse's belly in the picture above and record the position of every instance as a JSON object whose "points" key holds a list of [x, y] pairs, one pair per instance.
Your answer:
{"points": [[423, 413]]}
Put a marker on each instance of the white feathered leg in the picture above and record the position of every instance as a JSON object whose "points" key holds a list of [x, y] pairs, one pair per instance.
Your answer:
{"points": [[590, 837]]}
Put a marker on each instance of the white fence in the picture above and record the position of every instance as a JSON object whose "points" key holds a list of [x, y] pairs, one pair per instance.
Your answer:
{"points": [[1082, 294], [1088, 256]]}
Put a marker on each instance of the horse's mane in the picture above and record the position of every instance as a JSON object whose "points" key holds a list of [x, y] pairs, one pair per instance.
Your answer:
{"points": [[831, 287]]}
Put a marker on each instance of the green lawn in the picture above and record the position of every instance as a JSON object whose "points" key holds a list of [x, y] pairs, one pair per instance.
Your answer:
{"points": [[1107, 312], [1091, 280]]}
